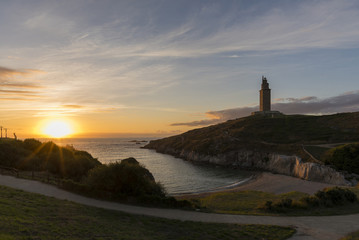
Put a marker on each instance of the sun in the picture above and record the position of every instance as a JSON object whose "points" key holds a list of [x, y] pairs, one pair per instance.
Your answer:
{"points": [[57, 129]]}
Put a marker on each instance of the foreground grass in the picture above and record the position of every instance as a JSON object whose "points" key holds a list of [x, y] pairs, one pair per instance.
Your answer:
{"points": [[249, 202], [243, 202], [32, 216]]}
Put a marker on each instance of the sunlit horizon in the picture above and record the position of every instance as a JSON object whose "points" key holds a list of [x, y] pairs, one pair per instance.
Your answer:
{"points": [[57, 129]]}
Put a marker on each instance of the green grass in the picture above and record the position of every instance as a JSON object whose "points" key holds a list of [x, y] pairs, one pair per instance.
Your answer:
{"points": [[316, 151], [243, 202], [32, 216], [249, 202], [352, 236]]}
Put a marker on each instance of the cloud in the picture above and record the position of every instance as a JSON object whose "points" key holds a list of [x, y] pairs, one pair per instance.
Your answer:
{"points": [[322, 24], [8, 72], [348, 102], [20, 85], [16, 91], [16, 99], [11, 86], [72, 106], [303, 99], [8, 76]]}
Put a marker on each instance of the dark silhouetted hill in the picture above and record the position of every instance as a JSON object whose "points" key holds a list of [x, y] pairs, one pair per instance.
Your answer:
{"points": [[282, 134]]}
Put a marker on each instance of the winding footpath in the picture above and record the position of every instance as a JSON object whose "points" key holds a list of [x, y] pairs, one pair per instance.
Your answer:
{"points": [[308, 228]]}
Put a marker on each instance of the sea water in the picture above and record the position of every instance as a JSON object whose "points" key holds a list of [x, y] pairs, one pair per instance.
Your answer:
{"points": [[176, 175]]}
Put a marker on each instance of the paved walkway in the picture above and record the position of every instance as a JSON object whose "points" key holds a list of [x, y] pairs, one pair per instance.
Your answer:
{"points": [[308, 228]]}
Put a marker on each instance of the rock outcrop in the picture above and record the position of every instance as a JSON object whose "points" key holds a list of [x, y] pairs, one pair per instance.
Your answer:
{"points": [[276, 163]]}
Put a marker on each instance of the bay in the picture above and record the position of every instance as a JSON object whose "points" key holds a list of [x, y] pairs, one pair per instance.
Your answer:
{"points": [[176, 175]]}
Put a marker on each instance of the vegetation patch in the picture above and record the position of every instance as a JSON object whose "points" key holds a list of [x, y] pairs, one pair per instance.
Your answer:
{"points": [[32, 155], [316, 151], [77, 171], [345, 157], [32, 216], [243, 202], [331, 201], [125, 181]]}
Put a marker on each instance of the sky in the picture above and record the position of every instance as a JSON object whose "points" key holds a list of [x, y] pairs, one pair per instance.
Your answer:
{"points": [[162, 67]]}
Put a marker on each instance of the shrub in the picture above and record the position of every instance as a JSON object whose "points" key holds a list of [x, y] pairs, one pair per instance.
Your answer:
{"points": [[310, 201], [123, 179], [32, 155], [73, 186], [336, 196], [32, 144], [278, 206], [344, 157], [331, 197]]}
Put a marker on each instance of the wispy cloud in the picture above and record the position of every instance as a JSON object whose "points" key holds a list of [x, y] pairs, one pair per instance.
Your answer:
{"points": [[348, 102], [26, 99], [20, 85], [12, 83], [6, 73], [72, 106], [320, 24]]}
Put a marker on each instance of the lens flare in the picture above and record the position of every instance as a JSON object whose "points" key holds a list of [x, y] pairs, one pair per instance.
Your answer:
{"points": [[57, 129]]}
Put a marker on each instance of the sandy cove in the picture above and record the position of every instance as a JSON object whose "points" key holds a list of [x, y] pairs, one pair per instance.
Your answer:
{"points": [[269, 182]]}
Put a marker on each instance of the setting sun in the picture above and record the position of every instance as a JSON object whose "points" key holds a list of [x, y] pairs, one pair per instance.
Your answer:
{"points": [[57, 129]]}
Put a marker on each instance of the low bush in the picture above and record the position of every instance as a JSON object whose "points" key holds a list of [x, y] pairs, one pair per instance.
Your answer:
{"points": [[125, 181], [345, 157], [329, 197], [123, 178], [32, 155], [335, 196]]}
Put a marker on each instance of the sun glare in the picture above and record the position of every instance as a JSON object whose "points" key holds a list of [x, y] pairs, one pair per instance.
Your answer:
{"points": [[57, 129]]}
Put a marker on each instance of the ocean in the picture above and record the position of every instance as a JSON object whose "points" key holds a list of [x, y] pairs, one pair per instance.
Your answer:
{"points": [[176, 175]]}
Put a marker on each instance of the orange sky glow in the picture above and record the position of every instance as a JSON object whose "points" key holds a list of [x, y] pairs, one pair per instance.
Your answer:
{"points": [[159, 68]]}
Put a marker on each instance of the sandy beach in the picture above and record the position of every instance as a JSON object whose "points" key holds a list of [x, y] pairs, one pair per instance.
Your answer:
{"points": [[273, 183]]}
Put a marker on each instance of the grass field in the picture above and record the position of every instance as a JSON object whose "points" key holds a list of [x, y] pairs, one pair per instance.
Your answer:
{"points": [[32, 216], [248, 202]]}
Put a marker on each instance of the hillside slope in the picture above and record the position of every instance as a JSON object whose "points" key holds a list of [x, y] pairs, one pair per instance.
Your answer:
{"points": [[266, 143], [283, 133]]}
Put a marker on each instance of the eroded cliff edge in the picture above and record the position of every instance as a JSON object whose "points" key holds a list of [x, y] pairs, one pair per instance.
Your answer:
{"points": [[272, 162], [267, 144]]}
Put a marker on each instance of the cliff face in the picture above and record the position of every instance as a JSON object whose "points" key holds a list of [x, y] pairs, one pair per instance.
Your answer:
{"points": [[282, 164]]}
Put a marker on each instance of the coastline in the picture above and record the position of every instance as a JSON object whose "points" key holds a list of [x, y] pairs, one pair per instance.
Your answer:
{"points": [[267, 182], [219, 189]]}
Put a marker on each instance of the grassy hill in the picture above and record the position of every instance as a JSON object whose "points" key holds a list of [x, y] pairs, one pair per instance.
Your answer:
{"points": [[282, 133], [32, 216]]}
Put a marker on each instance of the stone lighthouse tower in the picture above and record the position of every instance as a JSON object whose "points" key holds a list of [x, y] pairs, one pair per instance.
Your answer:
{"points": [[264, 96]]}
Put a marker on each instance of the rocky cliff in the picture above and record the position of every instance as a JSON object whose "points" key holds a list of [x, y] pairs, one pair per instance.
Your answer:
{"points": [[276, 163]]}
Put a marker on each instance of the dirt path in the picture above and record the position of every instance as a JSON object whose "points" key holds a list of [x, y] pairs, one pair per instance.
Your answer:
{"points": [[308, 228]]}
